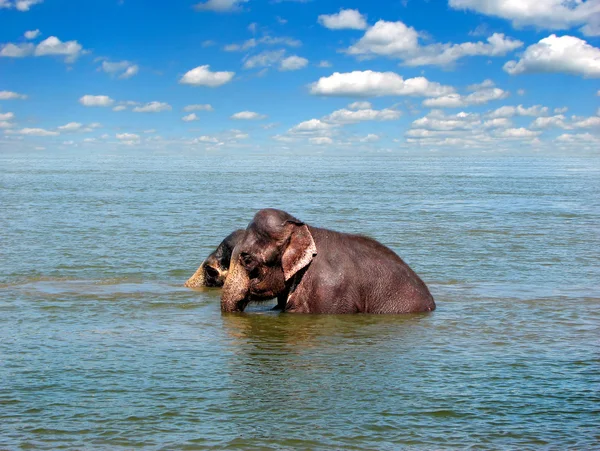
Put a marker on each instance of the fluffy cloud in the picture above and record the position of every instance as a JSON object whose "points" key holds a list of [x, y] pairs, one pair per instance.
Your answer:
{"points": [[198, 107], [5, 118], [152, 107], [264, 59], [269, 40], [248, 115], [345, 19], [312, 125], [123, 69], [202, 76], [518, 133], [32, 34], [127, 136], [510, 111], [577, 138], [9, 95], [19, 5], [376, 84], [589, 122], [345, 116], [397, 40], [320, 140], [293, 63], [557, 121], [52, 46], [360, 105], [71, 50], [37, 132], [565, 54], [71, 127], [550, 14], [220, 6], [90, 100], [484, 93], [190, 117], [11, 50], [437, 120]]}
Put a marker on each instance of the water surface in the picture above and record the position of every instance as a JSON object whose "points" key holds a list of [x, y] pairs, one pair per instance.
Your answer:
{"points": [[101, 347]]}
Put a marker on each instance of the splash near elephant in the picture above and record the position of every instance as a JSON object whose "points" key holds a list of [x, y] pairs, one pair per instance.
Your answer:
{"points": [[314, 270]]}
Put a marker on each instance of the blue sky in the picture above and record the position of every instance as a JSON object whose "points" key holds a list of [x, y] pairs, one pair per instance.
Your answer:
{"points": [[276, 75]]}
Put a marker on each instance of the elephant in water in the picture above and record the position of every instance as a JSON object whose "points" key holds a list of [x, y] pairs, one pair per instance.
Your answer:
{"points": [[213, 271], [313, 270]]}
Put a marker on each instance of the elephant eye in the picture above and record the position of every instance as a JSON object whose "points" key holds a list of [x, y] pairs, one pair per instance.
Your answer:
{"points": [[247, 261]]}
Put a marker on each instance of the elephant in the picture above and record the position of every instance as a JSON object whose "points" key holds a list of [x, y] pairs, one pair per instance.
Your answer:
{"points": [[315, 270], [213, 271]]}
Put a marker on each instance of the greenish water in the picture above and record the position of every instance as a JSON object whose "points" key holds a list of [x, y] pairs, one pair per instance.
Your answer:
{"points": [[102, 348]]}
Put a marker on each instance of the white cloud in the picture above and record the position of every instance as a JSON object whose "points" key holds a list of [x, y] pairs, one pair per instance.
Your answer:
{"points": [[565, 54], [205, 139], [510, 111], [202, 76], [71, 127], [198, 107], [6, 116], [499, 122], [248, 115], [221, 6], [9, 95], [360, 105], [264, 59], [293, 63], [484, 93], [324, 63], [127, 136], [312, 125], [120, 108], [578, 138], [345, 116], [320, 140], [375, 84], [437, 120], [19, 5], [90, 100], [71, 50], [152, 107], [346, 19], [24, 5], [557, 121], [598, 93], [37, 132], [371, 137], [589, 122], [6, 124], [124, 69], [549, 14], [11, 50], [253, 27], [32, 34], [283, 40], [246, 45], [518, 133], [397, 40], [561, 110], [190, 117]]}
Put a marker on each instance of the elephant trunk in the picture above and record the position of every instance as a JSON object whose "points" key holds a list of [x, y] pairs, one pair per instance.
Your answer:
{"points": [[198, 280], [233, 298]]}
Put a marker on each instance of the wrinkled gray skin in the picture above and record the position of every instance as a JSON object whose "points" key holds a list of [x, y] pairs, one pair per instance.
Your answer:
{"points": [[313, 270], [213, 271]]}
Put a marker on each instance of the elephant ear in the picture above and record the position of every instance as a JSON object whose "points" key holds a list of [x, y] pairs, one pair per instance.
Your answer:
{"points": [[300, 250]]}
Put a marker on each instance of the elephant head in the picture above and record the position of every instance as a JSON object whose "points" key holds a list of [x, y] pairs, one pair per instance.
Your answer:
{"points": [[274, 247], [213, 271]]}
